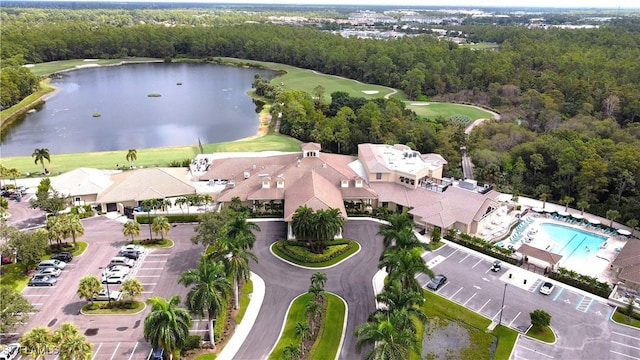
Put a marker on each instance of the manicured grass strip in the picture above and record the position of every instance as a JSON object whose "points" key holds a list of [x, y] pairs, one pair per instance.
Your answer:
{"points": [[446, 110], [13, 275], [435, 305], [82, 246], [164, 243], [328, 341], [26, 103], [218, 329], [621, 318], [247, 289], [506, 341], [326, 346], [51, 67], [139, 307], [329, 262], [542, 333], [209, 356]]}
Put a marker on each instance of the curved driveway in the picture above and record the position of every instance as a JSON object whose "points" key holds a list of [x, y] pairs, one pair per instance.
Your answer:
{"points": [[351, 280]]}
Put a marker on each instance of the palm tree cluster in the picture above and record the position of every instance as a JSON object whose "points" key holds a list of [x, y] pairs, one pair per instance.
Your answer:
{"points": [[316, 228], [71, 344], [391, 329], [167, 325], [64, 226]]}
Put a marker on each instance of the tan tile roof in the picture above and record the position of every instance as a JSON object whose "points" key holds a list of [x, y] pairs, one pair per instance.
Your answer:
{"points": [[316, 192], [372, 158], [631, 273], [81, 181], [436, 159], [540, 254], [629, 255], [144, 184], [310, 146]]}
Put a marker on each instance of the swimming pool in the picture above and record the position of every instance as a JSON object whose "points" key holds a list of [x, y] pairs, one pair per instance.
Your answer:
{"points": [[577, 247]]}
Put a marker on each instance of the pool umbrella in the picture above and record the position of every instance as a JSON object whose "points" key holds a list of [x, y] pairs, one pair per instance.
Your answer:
{"points": [[624, 232], [594, 221], [538, 209], [577, 216], [563, 213]]}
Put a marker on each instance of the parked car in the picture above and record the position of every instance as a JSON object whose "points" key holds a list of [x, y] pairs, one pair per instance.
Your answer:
{"points": [[63, 256], [51, 263], [104, 295], [133, 255], [114, 277], [10, 351], [116, 268], [51, 271], [131, 247], [497, 266], [42, 280], [121, 260], [547, 288], [157, 354], [436, 282]]}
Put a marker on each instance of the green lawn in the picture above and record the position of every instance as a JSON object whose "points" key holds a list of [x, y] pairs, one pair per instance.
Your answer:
{"points": [[306, 80], [209, 356], [433, 110], [438, 307], [542, 333], [139, 307], [328, 341], [13, 275], [49, 68], [165, 243], [621, 318], [247, 290]]}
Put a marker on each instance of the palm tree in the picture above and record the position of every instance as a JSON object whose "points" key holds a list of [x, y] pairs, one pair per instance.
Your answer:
{"points": [[316, 289], [239, 228], [583, 204], [132, 288], [312, 310], [329, 224], [291, 352], [37, 342], [131, 228], [41, 155], [180, 202], [167, 325], [404, 265], [397, 223], [404, 239], [132, 155], [303, 223], [72, 344], [73, 226], [89, 286], [612, 215], [210, 289], [390, 340], [303, 331], [160, 226], [235, 258], [319, 278], [395, 298], [566, 201]]}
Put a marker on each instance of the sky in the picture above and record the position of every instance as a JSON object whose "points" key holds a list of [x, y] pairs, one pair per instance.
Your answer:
{"points": [[610, 4]]}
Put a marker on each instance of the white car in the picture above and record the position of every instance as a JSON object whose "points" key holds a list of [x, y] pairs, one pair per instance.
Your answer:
{"points": [[121, 260], [10, 351], [51, 263], [131, 247], [116, 268], [114, 277], [104, 295], [547, 288], [50, 271]]}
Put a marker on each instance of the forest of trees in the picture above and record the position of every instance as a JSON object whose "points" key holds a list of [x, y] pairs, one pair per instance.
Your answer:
{"points": [[569, 99]]}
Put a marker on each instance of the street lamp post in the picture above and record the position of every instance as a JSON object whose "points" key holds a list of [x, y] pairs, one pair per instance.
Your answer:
{"points": [[109, 292], [502, 308]]}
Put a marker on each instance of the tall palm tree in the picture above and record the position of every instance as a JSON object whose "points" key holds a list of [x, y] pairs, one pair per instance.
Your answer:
{"points": [[160, 226], [390, 339], [71, 343], [303, 223], [303, 331], [329, 223], [132, 155], [404, 265], [40, 156], [404, 239], [312, 310], [180, 202], [319, 278], [397, 223], [239, 228], [131, 228], [291, 352], [395, 298], [132, 288], [167, 325], [210, 289], [37, 342], [235, 258], [88, 287], [73, 226]]}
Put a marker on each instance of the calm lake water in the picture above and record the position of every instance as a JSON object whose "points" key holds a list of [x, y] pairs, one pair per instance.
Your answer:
{"points": [[210, 105]]}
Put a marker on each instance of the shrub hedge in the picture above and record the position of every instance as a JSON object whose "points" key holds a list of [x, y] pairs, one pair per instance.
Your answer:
{"points": [[83, 211], [297, 250], [173, 218], [482, 246], [584, 282]]}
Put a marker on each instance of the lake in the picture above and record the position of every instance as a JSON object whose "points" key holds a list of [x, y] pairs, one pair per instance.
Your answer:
{"points": [[197, 101]]}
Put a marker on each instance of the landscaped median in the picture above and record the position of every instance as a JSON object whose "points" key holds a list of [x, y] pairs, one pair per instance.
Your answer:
{"points": [[120, 307], [296, 252], [329, 338]]}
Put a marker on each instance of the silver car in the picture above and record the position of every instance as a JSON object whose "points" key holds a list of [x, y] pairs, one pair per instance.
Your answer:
{"points": [[51, 263], [49, 272], [42, 280], [104, 295]]}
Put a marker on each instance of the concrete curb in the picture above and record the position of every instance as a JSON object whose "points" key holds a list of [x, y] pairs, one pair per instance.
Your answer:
{"points": [[315, 268]]}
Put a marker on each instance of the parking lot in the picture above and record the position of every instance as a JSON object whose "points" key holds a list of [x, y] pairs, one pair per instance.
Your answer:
{"points": [[114, 336]]}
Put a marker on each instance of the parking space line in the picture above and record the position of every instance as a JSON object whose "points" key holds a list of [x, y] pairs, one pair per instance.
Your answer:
{"points": [[558, 294], [454, 251], [34, 295], [147, 292], [625, 335], [149, 284], [97, 351], [619, 353], [580, 302], [151, 268], [454, 294], [485, 304], [115, 351], [588, 305], [37, 304], [158, 254], [627, 345], [134, 351], [535, 351], [476, 264], [145, 276], [514, 319], [464, 258], [498, 313], [155, 261], [198, 330], [472, 296]]}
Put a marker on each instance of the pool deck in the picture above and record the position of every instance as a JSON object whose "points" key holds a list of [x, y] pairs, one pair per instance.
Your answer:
{"points": [[605, 255]]}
